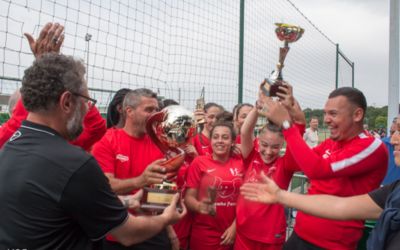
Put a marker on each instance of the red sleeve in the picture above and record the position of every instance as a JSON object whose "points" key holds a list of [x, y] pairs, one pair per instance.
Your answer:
{"points": [[301, 127], [197, 144], [18, 115], [290, 163], [94, 127], [363, 156], [194, 175], [104, 154]]}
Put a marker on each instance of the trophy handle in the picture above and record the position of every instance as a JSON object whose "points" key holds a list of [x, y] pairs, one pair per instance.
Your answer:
{"points": [[173, 164], [175, 156], [151, 123]]}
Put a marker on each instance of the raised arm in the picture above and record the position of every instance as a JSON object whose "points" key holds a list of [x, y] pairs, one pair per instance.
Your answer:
{"points": [[247, 132], [362, 157], [94, 128], [291, 104], [43, 44]]}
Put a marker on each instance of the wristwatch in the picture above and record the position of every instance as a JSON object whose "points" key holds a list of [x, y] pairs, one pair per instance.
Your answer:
{"points": [[286, 124]]}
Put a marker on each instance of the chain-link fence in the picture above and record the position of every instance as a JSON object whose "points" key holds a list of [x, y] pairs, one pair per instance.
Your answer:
{"points": [[174, 47]]}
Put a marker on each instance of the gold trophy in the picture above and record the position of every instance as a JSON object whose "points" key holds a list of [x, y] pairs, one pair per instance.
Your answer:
{"points": [[288, 34], [169, 129]]}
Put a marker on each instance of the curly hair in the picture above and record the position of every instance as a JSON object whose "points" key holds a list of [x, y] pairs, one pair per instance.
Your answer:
{"points": [[50, 76]]}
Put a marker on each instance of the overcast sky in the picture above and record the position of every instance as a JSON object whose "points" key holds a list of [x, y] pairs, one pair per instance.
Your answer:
{"points": [[189, 45], [361, 29]]}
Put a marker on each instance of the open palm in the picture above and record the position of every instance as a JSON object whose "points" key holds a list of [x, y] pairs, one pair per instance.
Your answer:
{"points": [[264, 192]]}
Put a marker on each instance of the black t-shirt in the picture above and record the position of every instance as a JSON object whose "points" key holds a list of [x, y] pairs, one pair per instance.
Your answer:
{"points": [[379, 196], [54, 195]]}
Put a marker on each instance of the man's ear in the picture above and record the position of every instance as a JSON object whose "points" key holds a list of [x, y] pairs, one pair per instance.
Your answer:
{"points": [[66, 102], [128, 111], [358, 114]]}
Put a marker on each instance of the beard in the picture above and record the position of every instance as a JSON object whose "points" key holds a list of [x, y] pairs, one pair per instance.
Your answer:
{"points": [[74, 124]]}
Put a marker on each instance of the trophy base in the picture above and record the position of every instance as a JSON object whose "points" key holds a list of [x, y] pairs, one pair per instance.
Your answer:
{"points": [[157, 197]]}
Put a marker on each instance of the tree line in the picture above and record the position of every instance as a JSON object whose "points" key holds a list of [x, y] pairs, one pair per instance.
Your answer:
{"points": [[376, 118]]}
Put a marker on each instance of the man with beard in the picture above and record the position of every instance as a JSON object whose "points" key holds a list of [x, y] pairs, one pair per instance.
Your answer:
{"points": [[351, 162], [50, 40], [131, 160], [54, 195], [382, 204]]}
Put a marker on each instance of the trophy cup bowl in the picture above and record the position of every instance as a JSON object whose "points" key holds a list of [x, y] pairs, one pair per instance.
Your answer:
{"points": [[169, 129], [288, 34]]}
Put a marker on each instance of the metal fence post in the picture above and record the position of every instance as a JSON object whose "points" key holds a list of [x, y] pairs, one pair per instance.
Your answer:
{"points": [[337, 66], [241, 46]]}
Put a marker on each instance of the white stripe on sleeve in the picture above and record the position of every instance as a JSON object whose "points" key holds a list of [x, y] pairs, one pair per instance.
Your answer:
{"points": [[336, 166]]}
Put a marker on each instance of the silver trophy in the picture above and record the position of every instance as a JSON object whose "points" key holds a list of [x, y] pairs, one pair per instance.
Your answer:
{"points": [[169, 129]]}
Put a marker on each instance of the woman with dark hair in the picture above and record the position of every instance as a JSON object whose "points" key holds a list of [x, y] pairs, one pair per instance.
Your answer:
{"points": [[213, 183], [114, 110], [240, 115], [202, 140]]}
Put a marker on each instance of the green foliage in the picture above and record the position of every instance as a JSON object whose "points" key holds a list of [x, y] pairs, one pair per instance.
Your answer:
{"points": [[380, 121], [372, 114], [375, 117], [4, 117]]}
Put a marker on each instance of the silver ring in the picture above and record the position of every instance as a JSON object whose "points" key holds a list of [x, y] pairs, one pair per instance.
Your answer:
{"points": [[55, 40], [264, 109]]}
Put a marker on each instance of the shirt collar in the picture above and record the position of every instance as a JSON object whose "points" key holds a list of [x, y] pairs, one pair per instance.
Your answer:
{"points": [[39, 128]]}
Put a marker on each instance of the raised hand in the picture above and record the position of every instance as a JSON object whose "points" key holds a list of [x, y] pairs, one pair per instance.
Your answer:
{"points": [[286, 95], [290, 103], [50, 40], [274, 111], [265, 191]]}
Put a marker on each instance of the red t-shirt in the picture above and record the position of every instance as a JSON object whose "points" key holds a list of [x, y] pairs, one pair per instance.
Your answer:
{"points": [[183, 226], [123, 155], [94, 126], [238, 139], [342, 168], [202, 144], [227, 178], [260, 222]]}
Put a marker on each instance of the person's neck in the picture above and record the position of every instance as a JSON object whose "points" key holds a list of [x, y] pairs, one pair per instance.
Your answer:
{"points": [[220, 158], [353, 133], [206, 133], [133, 130], [50, 120]]}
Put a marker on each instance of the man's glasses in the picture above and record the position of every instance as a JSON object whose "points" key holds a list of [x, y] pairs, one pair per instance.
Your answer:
{"points": [[92, 102]]}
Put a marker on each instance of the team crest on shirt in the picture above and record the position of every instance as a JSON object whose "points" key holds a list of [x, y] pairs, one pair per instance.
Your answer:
{"points": [[327, 154], [122, 158], [235, 172]]}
